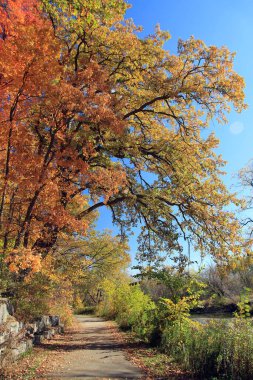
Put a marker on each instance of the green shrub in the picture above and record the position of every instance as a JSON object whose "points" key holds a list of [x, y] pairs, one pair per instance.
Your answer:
{"points": [[129, 306], [220, 348], [145, 325]]}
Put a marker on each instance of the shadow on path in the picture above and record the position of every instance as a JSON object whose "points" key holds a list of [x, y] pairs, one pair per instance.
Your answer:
{"points": [[91, 352], [88, 346]]}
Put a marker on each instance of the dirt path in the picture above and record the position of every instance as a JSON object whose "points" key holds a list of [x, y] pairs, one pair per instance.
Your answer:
{"points": [[91, 351]]}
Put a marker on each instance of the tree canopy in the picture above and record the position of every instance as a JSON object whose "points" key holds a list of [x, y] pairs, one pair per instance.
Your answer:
{"points": [[93, 115]]}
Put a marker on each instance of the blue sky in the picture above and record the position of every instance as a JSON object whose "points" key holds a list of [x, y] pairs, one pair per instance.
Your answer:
{"points": [[219, 23]]}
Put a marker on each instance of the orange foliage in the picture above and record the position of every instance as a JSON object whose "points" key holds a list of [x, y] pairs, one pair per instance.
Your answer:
{"points": [[88, 106], [46, 113]]}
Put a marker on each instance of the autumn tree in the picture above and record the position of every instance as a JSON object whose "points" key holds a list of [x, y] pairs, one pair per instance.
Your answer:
{"points": [[88, 261], [46, 161], [88, 106], [71, 275]]}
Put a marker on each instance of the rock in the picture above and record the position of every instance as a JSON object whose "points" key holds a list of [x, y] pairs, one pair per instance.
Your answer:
{"points": [[15, 353], [5, 335], [3, 311], [29, 344], [47, 334], [16, 337], [3, 338], [20, 349], [10, 308], [43, 323], [13, 325], [38, 339], [46, 320], [55, 320]]}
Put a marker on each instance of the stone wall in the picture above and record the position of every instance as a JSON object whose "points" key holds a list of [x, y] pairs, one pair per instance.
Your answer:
{"points": [[16, 337]]}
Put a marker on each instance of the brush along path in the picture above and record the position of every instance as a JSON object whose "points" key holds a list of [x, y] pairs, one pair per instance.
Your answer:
{"points": [[91, 351]]}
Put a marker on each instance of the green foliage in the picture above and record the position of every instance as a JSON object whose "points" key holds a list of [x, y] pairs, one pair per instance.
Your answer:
{"points": [[243, 305], [146, 325], [218, 349], [174, 281], [170, 313], [222, 349], [133, 309], [177, 340], [178, 284], [127, 304]]}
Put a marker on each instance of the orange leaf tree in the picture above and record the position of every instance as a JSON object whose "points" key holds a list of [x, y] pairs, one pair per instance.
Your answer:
{"points": [[89, 106]]}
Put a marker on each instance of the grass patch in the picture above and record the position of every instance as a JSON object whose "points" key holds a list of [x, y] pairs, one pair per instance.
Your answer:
{"points": [[157, 364], [154, 363]]}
